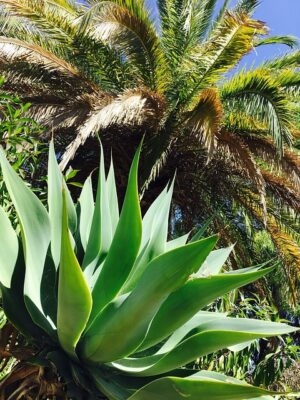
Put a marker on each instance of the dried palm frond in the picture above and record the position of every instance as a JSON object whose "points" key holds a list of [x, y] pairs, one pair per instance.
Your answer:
{"points": [[289, 163], [245, 162], [13, 51], [132, 108], [281, 190], [205, 118]]}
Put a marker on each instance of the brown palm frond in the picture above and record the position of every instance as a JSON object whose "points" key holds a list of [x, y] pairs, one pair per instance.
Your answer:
{"points": [[245, 162], [205, 118], [30, 64], [264, 147], [288, 249], [12, 49], [286, 245], [281, 189], [132, 108]]}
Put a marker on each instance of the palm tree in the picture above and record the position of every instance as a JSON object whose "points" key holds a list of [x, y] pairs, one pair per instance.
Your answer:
{"points": [[105, 66]]}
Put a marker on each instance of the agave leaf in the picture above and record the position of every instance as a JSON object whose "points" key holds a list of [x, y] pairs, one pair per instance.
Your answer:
{"points": [[112, 198], [9, 249], [157, 240], [122, 326], [49, 288], [179, 241], [124, 248], [55, 183], [200, 318], [212, 335], [109, 388], [150, 217], [86, 202], [190, 298], [106, 227], [100, 236], [74, 297], [35, 228], [214, 262], [200, 386], [13, 301]]}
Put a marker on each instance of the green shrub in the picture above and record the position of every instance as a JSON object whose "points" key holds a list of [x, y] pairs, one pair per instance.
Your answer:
{"points": [[113, 304]]}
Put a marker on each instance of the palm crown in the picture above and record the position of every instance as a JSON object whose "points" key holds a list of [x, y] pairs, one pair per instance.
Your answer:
{"points": [[95, 65]]}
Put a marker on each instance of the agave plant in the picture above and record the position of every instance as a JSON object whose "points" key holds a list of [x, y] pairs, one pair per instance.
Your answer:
{"points": [[108, 298]]}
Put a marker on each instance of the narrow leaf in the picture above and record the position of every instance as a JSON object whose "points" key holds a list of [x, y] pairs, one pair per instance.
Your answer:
{"points": [[124, 248], [74, 297]]}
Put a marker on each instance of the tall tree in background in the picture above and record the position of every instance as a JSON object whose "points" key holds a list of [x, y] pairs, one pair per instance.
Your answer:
{"points": [[105, 67]]}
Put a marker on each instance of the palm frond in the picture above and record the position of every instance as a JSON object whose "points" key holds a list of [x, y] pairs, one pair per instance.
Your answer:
{"points": [[288, 40], [33, 72], [205, 118], [184, 26], [14, 49], [281, 190], [232, 39], [247, 6], [288, 249], [289, 163], [37, 23], [208, 8], [289, 60], [220, 16], [132, 108], [127, 26], [289, 79], [243, 161], [47, 17], [259, 95]]}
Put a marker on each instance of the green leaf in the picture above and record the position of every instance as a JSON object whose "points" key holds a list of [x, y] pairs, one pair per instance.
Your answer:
{"points": [[54, 204], [100, 236], [109, 388], [212, 335], [156, 244], [35, 227], [288, 40], [122, 326], [150, 217], [112, 198], [214, 262], [179, 241], [200, 386], [86, 203], [9, 249], [55, 184], [74, 297], [124, 248], [13, 301], [190, 298]]}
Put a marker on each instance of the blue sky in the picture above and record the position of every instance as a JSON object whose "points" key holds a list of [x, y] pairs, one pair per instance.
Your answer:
{"points": [[281, 16]]}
